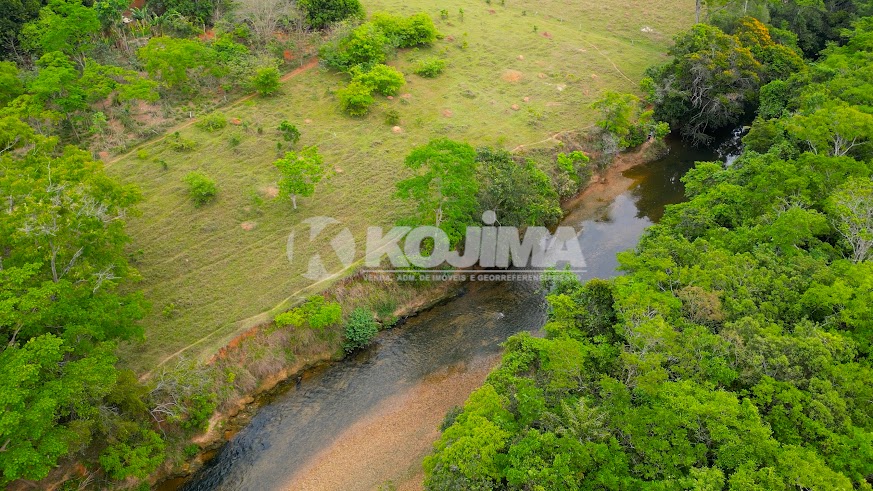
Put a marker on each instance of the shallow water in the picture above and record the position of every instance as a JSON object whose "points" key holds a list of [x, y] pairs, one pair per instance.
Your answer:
{"points": [[370, 419]]}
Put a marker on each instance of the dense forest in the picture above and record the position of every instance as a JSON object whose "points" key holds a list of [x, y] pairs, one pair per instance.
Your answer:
{"points": [[735, 352]]}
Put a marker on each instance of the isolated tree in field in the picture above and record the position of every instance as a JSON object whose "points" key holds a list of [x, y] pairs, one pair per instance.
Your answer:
{"points": [[300, 171], [444, 188], [852, 207], [289, 132], [201, 188]]}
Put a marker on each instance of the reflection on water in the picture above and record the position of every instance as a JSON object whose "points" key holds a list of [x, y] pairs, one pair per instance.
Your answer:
{"points": [[432, 350]]}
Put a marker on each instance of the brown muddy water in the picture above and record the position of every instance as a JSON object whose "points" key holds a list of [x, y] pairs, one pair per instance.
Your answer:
{"points": [[368, 421]]}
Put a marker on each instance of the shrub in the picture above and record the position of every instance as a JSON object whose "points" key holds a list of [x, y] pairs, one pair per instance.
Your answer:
{"points": [[180, 144], [266, 80], [321, 13], [135, 452], [382, 79], [201, 188], [320, 313], [361, 328], [212, 122], [430, 67], [293, 318], [234, 140], [356, 99], [317, 312], [200, 408], [392, 117], [191, 450], [366, 45], [575, 166], [289, 132], [416, 30]]}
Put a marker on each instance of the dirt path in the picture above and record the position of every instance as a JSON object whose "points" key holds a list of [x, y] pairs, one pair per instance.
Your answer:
{"points": [[612, 62], [288, 76]]}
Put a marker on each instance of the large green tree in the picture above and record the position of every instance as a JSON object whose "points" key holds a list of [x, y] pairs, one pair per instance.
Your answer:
{"points": [[61, 261], [300, 173], [444, 187], [67, 26]]}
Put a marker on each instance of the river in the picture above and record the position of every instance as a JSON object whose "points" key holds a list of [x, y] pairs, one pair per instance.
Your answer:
{"points": [[368, 421]]}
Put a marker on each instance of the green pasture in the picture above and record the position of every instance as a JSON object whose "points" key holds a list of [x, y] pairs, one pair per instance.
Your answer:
{"points": [[517, 73]]}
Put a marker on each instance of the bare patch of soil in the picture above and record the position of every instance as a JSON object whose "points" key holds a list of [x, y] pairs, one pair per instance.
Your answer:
{"points": [[271, 191], [512, 76]]}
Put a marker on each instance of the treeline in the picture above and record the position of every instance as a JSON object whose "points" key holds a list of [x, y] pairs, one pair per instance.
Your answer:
{"points": [[736, 351], [453, 184], [103, 74]]}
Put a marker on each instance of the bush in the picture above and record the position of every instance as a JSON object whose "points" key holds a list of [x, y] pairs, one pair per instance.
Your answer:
{"points": [[417, 30], [361, 328], [392, 117], [201, 188], [356, 99], [136, 452], [266, 81], [212, 122], [191, 450], [575, 166], [366, 45], [180, 144], [289, 132], [383, 79], [199, 408], [430, 68], [317, 312], [322, 13]]}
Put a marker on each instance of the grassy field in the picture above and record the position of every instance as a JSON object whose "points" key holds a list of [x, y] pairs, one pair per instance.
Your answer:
{"points": [[215, 271]]}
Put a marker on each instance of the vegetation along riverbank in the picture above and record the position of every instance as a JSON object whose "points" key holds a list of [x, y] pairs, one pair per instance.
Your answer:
{"points": [[735, 352]]}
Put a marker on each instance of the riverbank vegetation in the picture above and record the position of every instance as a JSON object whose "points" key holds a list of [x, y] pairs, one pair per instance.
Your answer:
{"points": [[735, 353]]}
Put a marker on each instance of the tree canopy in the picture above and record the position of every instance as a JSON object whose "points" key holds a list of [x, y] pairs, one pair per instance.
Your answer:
{"points": [[735, 353]]}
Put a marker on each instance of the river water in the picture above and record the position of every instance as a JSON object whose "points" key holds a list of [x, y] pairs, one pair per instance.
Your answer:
{"points": [[368, 421]]}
